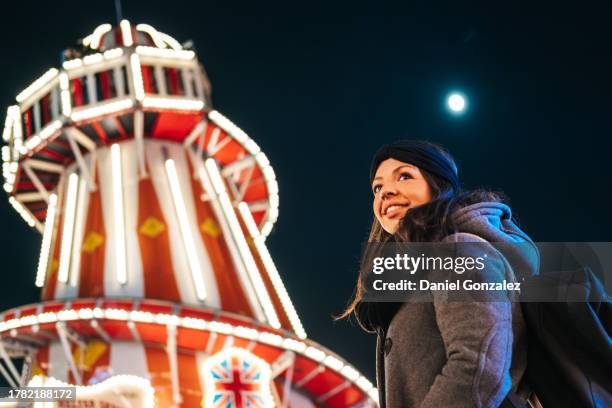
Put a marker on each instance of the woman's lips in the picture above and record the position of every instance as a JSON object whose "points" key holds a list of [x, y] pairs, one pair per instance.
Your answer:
{"points": [[395, 211]]}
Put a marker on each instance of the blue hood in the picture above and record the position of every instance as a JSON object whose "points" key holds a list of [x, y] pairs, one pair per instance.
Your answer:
{"points": [[492, 221]]}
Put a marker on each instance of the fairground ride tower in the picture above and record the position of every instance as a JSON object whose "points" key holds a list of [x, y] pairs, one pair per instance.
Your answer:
{"points": [[157, 286]]}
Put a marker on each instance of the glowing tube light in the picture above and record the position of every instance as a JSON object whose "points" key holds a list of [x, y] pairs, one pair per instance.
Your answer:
{"points": [[65, 94], [30, 144], [171, 41], [315, 354], [365, 384], [43, 260], [6, 154], [210, 169], [105, 108], [93, 40], [118, 214], [137, 77], [15, 113], [50, 129], [8, 126], [126, 33], [113, 53], [93, 59], [36, 85], [34, 141], [333, 363], [373, 394], [73, 63], [277, 282], [165, 53], [68, 230], [157, 38], [173, 103], [181, 213], [350, 373], [13, 120], [79, 221], [229, 126]]}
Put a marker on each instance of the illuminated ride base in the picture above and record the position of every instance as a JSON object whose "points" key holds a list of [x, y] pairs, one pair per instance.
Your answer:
{"points": [[157, 286]]}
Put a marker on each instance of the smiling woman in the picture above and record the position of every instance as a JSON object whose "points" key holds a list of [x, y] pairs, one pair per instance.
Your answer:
{"points": [[441, 354], [397, 187]]}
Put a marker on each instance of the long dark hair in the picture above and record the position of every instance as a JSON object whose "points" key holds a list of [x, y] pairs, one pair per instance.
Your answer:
{"points": [[430, 222]]}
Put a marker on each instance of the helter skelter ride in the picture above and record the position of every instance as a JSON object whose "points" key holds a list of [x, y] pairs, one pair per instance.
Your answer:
{"points": [[157, 286]]}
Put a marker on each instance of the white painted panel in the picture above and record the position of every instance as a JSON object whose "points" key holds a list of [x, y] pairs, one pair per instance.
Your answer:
{"points": [[180, 264], [245, 281], [58, 365], [64, 290], [177, 153], [134, 287], [129, 358], [297, 400]]}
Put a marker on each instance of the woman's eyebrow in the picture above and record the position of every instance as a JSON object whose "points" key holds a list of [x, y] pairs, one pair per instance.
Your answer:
{"points": [[396, 170], [402, 166]]}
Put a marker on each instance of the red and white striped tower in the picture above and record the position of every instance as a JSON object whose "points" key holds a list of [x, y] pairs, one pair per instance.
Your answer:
{"points": [[157, 286]]}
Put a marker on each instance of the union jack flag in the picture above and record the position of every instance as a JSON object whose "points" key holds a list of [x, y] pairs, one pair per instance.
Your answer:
{"points": [[238, 380]]}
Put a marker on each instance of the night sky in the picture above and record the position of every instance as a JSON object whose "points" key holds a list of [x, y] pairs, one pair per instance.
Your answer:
{"points": [[319, 86]]}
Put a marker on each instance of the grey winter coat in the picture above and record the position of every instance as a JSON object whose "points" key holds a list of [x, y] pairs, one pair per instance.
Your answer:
{"points": [[458, 354]]}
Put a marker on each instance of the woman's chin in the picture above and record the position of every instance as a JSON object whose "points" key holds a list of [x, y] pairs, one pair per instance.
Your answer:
{"points": [[391, 226]]}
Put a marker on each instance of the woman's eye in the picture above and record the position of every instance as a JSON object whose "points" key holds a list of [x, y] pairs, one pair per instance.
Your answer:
{"points": [[405, 176], [376, 188]]}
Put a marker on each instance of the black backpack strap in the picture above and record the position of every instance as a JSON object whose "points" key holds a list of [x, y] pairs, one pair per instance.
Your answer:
{"points": [[512, 400]]}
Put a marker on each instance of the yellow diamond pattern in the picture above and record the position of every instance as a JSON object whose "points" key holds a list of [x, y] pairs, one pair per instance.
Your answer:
{"points": [[152, 227], [36, 370], [210, 227], [92, 241], [92, 352], [54, 265]]}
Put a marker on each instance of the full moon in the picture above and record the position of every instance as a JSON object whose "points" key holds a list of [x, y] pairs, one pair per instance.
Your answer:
{"points": [[456, 103]]}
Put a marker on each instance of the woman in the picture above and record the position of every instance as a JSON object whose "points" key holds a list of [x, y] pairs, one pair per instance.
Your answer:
{"points": [[443, 354]]}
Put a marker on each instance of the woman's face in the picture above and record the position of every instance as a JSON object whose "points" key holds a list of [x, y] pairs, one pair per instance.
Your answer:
{"points": [[397, 187]]}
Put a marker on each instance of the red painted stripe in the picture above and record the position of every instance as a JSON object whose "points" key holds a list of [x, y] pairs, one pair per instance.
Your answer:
{"points": [[159, 278], [233, 298], [189, 380], [172, 76], [28, 185], [146, 78], [93, 249], [91, 364], [100, 131], [174, 126], [159, 371], [51, 154], [28, 122], [122, 133], [106, 94], [41, 364], [44, 107], [77, 92]]}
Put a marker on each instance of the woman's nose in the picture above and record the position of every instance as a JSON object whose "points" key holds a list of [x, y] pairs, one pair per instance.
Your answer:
{"points": [[387, 192]]}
